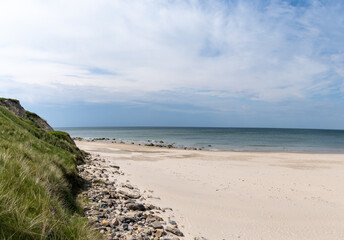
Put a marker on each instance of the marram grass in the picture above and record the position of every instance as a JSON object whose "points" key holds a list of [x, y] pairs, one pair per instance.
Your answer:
{"points": [[38, 183]]}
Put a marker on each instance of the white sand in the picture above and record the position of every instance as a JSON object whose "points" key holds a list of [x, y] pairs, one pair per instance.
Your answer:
{"points": [[239, 195]]}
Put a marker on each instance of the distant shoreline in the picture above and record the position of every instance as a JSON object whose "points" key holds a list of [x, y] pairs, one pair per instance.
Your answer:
{"points": [[215, 139], [149, 144]]}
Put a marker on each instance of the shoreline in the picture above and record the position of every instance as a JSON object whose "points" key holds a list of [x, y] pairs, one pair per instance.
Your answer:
{"points": [[227, 195], [147, 144]]}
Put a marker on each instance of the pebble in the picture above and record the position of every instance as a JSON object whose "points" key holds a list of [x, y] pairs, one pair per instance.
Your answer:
{"points": [[129, 194], [156, 224], [175, 231], [136, 207]]}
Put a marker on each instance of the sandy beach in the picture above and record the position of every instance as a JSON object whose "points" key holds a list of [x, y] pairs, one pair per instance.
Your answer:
{"points": [[238, 195]]}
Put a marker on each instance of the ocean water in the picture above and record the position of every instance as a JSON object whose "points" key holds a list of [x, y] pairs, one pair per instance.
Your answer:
{"points": [[233, 139]]}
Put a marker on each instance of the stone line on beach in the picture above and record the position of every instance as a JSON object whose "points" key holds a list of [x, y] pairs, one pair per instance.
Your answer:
{"points": [[120, 210], [149, 143]]}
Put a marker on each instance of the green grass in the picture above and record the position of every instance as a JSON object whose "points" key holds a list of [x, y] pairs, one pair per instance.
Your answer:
{"points": [[10, 99], [38, 183], [62, 136], [31, 115]]}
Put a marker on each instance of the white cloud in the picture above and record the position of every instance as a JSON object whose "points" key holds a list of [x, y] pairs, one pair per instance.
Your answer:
{"points": [[268, 53]]}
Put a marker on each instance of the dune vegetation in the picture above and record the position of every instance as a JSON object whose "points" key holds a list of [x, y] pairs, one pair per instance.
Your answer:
{"points": [[39, 183]]}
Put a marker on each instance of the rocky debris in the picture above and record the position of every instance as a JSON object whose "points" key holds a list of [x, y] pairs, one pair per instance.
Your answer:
{"points": [[175, 231], [149, 143], [113, 166], [136, 207], [127, 185], [119, 210], [157, 225], [129, 194]]}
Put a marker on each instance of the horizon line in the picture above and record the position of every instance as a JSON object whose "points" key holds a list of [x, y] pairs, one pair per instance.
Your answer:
{"points": [[289, 128]]}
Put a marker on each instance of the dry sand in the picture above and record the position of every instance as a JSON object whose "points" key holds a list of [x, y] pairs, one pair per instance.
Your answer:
{"points": [[238, 195]]}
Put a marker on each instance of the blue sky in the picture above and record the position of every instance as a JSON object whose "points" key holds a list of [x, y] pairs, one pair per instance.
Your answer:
{"points": [[175, 63]]}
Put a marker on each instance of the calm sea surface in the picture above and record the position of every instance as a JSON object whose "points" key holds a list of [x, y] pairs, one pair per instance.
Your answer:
{"points": [[234, 139]]}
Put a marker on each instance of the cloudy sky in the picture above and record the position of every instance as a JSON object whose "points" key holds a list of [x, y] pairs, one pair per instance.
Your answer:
{"points": [[175, 63]]}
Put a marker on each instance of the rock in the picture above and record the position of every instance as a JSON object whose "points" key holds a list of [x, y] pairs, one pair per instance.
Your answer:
{"points": [[128, 220], [105, 223], [113, 195], [173, 223], [152, 218], [175, 231], [130, 201], [147, 231], [130, 194], [159, 233], [156, 225], [114, 223], [150, 207], [136, 207], [165, 209], [103, 205], [107, 201], [153, 197], [125, 226], [113, 166], [127, 185]]}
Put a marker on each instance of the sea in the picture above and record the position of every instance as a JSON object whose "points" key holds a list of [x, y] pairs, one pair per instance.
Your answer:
{"points": [[231, 139]]}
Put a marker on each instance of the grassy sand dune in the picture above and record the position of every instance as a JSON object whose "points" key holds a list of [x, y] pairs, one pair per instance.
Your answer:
{"points": [[38, 183]]}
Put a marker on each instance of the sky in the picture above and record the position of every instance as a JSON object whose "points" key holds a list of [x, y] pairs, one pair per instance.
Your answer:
{"points": [[216, 63]]}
